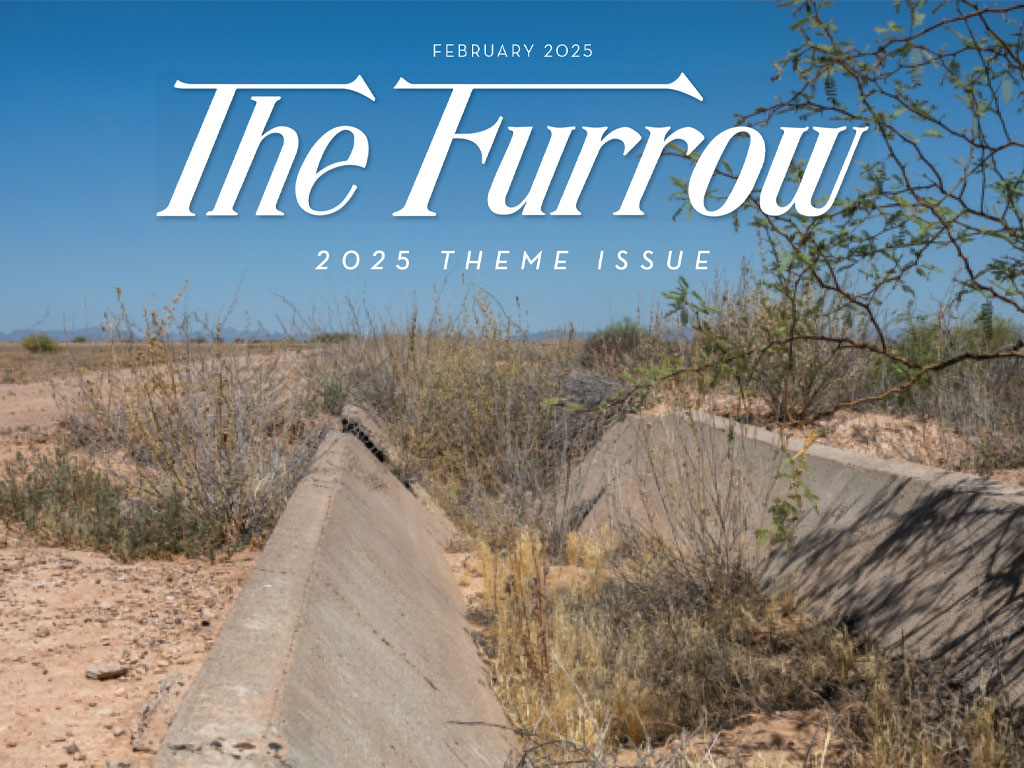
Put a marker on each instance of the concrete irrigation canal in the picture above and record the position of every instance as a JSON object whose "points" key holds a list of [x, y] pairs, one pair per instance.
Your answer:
{"points": [[348, 645], [928, 560]]}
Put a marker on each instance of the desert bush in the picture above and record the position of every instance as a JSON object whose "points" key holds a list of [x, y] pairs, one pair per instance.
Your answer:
{"points": [[649, 658], [622, 657], [669, 628], [39, 342], [225, 432], [621, 347], [329, 337], [788, 351], [902, 712], [462, 398], [79, 340], [66, 502], [766, 340], [979, 404]]}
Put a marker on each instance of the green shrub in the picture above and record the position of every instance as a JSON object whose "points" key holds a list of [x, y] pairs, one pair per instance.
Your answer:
{"points": [[980, 403], [767, 340], [39, 342], [64, 502], [330, 338], [79, 340], [620, 346], [227, 435]]}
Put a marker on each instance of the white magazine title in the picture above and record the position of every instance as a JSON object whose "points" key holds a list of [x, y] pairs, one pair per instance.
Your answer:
{"points": [[449, 130]]}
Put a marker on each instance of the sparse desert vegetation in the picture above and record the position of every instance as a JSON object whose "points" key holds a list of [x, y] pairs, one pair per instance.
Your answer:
{"points": [[38, 342], [605, 649], [635, 648]]}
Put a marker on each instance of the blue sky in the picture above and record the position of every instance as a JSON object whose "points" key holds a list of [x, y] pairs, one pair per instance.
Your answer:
{"points": [[94, 137]]}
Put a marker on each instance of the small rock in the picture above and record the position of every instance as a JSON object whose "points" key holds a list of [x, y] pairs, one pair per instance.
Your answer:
{"points": [[106, 671], [71, 748], [42, 630]]}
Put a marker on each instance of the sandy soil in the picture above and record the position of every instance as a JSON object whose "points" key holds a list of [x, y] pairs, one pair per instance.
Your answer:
{"points": [[64, 611], [894, 437], [29, 418]]}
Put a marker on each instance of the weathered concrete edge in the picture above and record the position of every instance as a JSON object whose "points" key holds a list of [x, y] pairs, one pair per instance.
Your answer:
{"points": [[954, 481], [228, 713]]}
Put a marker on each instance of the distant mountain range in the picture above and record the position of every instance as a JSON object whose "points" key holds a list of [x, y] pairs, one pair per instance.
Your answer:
{"points": [[95, 333], [228, 333]]}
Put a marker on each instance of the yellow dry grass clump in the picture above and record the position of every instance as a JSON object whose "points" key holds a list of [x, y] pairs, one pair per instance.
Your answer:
{"points": [[598, 663]]}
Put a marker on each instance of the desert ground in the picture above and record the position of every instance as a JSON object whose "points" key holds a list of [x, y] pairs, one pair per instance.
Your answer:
{"points": [[149, 624], [63, 612]]}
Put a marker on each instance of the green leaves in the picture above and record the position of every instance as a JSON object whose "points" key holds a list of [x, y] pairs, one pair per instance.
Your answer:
{"points": [[679, 301], [830, 88], [787, 511], [941, 184], [985, 317]]}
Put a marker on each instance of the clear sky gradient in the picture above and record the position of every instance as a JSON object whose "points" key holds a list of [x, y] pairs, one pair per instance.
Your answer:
{"points": [[94, 136]]}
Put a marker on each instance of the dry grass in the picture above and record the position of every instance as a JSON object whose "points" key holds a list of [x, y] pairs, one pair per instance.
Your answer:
{"points": [[461, 398], [226, 435], [611, 666], [191, 446]]}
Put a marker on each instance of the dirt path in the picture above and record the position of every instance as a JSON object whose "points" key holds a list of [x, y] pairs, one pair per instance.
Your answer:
{"points": [[63, 611]]}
